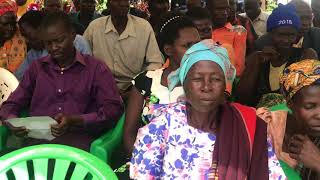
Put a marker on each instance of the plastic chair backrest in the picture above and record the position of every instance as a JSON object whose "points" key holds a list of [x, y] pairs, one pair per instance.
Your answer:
{"points": [[85, 163], [8, 83]]}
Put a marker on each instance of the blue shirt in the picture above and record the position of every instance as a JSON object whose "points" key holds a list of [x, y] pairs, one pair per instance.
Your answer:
{"points": [[80, 44]]}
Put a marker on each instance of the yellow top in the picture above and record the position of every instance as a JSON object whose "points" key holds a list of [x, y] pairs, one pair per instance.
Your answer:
{"points": [[274, 76]]}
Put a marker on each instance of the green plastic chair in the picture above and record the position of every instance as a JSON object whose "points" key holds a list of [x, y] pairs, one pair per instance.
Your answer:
{"points": [[104, 146], [85, 163], [289, 172]]}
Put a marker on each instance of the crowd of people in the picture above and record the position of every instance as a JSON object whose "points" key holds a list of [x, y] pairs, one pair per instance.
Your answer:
{"points": [[197, 87]]}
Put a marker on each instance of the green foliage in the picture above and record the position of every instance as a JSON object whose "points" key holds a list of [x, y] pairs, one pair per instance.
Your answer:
{"points": [[271, 4], [101, 5]]}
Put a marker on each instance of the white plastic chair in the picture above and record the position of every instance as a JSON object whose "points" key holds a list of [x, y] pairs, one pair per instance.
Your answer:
{"points": [[8, 83]]}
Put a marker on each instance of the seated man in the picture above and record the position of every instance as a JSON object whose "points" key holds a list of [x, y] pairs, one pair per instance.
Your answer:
{"points": [[29, 26], [126, 43], [77, 90]]}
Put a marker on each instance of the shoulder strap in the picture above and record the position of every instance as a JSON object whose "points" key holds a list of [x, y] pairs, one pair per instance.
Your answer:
{"points": [[249, 117]]}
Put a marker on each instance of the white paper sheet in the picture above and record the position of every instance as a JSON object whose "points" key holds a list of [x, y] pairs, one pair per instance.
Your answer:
{"points": [[38, 126]]}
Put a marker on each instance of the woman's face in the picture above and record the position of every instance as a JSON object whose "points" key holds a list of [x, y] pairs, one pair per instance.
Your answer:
{"points": [[187, 37], [204, 86], [306, 108], [8, 25], [283, 37]]}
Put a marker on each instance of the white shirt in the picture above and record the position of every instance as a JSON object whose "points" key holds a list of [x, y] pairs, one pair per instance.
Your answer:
{"points": [[260, 23]]}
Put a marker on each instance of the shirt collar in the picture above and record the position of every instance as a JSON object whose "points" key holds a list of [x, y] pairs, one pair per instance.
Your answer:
{"points": [[262, 17], [228, 26], [78, 58], [129, 31]]}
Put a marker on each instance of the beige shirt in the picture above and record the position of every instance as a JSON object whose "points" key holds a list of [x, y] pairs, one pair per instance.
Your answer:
{"points": [[128, 54], [260, 23]]}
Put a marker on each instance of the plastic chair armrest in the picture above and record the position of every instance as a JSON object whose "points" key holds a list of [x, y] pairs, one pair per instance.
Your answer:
{"points": [[104, 146], [4, 132]]}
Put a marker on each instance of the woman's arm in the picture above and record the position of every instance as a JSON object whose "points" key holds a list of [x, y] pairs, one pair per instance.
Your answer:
{"points": [[247, 87], [148, 153], [133, 116]]}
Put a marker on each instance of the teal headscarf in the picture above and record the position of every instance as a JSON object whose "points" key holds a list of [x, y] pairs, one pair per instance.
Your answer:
{"points": [[204, 50]]}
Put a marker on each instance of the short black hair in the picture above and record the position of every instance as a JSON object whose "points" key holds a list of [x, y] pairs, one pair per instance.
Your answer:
{"points": [[53, 18], [300, 3], [198, 13], [32, 18], [151, 3], [168, 28]]}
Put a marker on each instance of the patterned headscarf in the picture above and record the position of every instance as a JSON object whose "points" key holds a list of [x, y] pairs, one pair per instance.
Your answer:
{"points": [[204, 50], [8, 6], [299, 75]]}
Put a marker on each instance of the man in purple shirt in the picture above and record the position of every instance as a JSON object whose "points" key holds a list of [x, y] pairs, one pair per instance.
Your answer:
{"points": [[77, 90]]}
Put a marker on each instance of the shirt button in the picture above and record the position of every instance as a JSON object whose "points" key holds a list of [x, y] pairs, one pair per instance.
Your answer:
{"points": [[59, 108], [61, 72], [59, 90]]}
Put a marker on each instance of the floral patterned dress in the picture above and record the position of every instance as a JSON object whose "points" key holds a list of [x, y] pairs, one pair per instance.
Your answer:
{"points": [[168, 148]]}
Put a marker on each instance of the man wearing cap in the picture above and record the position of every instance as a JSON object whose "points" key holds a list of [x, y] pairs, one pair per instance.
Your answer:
{"points": [[263, 68], [12, 44]]}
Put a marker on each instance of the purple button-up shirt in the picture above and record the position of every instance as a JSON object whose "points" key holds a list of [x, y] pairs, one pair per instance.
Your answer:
{"points": [[86, 88]]}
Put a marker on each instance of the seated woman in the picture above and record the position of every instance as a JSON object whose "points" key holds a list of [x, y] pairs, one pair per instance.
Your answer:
{"points": [[12, 45], [177, 33], [299, 132], [264, 67], [204, 137]]}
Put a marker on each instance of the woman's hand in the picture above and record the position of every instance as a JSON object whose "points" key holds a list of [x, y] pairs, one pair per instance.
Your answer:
{"points": [[302, 149], [268, 54]]}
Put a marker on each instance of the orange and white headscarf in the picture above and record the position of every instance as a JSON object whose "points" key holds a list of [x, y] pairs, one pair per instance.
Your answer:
{"points": [[8, 6], [299, 75]]}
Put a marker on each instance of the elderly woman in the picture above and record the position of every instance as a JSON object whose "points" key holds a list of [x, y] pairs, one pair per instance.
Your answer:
{"points": [[12, 45], [296, 135], [204, 137], [300, 84]]}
